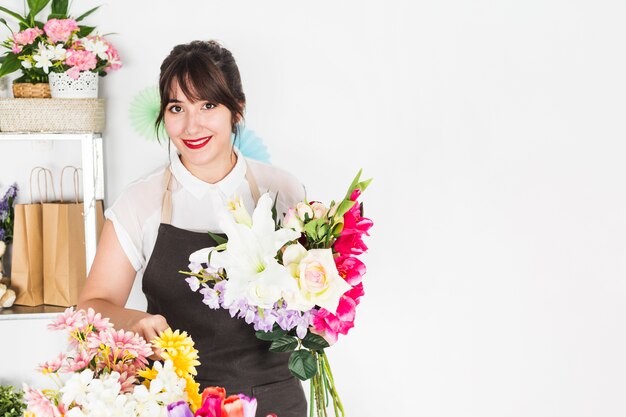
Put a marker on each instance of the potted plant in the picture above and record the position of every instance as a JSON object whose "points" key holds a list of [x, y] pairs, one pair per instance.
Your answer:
{"points": [[11, 404], [58, 45]]}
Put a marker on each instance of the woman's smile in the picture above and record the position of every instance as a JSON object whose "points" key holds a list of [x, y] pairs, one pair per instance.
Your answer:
{"points": [[197, 143]]}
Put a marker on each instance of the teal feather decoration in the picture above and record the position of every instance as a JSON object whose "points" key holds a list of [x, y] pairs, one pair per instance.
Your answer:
{"points": [[144, 110], [251, 145]]}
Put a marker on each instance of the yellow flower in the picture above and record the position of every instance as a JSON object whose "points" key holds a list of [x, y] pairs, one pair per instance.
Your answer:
{"points": [[148, 373], [185, 359], [193, 393], [178, 347], [172, 340]]}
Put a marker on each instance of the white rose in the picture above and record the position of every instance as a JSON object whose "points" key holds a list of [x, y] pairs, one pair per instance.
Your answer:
{"points": [[319, 210], [292, 221], [318, 279], [304, 209]]}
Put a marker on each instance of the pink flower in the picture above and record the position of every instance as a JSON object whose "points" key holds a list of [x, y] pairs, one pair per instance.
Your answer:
{"points": [[39, 404], [123, 346], [27, 36], [329, 325], [16, 49], [80, 61], [60, 30], [350, 269], [52, 366], [354, 227], [96, 321], [127, 376], [113, 57], [80, 361], [68, 320]]}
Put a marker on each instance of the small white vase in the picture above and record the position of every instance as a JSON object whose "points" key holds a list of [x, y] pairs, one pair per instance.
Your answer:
{"points": [[64, 86]]}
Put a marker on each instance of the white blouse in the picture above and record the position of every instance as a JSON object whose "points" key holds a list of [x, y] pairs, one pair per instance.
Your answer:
{"points": [[136, 214]]}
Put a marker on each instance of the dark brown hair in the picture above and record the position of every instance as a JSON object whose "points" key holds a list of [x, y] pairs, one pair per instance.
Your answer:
{"points": [[204, 71]]}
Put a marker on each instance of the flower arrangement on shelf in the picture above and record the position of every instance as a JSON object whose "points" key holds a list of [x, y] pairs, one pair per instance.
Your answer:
{"points": [[298, 283], [7, 214], [105, 372], [60, 44]]}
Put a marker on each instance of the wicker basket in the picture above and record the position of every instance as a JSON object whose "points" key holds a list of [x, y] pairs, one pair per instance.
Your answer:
{"points": [[28, 90], [51, 115]]}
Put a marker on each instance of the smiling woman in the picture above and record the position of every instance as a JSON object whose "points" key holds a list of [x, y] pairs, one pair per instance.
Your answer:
{"points": [[159, 220]]}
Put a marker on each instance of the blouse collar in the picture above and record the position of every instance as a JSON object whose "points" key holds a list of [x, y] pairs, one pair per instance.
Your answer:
{"points": [[199, 188]]}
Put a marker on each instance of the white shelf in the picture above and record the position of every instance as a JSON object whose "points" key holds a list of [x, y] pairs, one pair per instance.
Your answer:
{"points": [[93, 189], [42, 312]]}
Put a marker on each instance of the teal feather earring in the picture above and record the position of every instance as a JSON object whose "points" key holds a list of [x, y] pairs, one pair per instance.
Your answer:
{"points": [[144, 110]]}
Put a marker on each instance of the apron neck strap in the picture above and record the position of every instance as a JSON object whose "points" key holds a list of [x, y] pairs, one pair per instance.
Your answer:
{"points": [[166, 208]]}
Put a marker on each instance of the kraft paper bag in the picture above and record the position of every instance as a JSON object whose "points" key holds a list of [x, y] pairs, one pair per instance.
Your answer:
{"points": [[27, 271], [64, 265]]}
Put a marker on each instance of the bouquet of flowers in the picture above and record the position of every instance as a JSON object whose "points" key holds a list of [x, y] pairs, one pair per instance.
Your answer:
{"points": [[298, 281], [105, 373], [60, 44], [7, 214]]}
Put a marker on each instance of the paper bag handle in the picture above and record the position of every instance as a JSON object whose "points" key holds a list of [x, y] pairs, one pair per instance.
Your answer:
{"points": [[76, 184], [47, 174]]}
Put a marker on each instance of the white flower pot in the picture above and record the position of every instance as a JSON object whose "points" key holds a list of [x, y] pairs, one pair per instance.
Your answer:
{"points": [[63, 86]]}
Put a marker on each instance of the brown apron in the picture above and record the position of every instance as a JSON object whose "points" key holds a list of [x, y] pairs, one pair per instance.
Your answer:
{"points": [[230, 354]]}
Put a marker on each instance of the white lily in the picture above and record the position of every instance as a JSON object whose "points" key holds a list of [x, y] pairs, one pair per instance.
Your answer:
{"points": [[249, 259]]}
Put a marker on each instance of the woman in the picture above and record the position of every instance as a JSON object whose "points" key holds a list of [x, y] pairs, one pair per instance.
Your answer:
{"points": [[161, 219]]}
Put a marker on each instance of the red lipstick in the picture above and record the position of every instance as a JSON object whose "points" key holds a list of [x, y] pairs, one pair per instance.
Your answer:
{"points": [[197, 143]]}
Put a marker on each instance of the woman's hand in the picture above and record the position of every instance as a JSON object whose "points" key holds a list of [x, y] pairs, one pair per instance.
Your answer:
{"points": [[149, 327]]}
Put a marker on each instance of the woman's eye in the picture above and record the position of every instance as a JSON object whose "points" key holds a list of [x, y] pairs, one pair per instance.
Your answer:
{"points": [[175, 109], [208, 106]]}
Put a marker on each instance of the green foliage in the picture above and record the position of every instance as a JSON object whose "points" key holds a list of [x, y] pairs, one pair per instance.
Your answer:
{"points": [[284, 344], [11, 403], [302, 364]]}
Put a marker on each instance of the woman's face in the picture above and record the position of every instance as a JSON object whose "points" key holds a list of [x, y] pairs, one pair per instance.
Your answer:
{"points": [[200, 130]]}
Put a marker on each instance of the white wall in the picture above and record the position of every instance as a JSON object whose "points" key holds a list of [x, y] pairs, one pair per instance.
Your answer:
{"points": [[494, 131]]}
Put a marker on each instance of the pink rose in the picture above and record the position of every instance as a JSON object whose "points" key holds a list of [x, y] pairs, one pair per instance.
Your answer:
{"points": [[60, 30], [27, 36]]}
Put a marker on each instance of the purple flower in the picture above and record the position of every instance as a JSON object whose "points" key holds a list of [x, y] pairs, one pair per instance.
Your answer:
{"points": [[211, 297], [194, 283], [179, 409]]}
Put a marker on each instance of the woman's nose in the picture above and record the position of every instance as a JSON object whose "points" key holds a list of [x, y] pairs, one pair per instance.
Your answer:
{"points": [[192, 124]]}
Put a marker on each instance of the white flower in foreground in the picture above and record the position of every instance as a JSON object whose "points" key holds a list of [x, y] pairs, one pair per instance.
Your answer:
{"points": [[76, 387], [249, 259]]}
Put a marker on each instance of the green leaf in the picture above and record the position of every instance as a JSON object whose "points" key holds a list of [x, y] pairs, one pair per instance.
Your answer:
{"points": [[337, 228], [57, 16], [15, 15], [85, 31], [355, 182], [363, 184], [59, 7], [344, 207], [87, 13], [314, 342], [284, 344], [302, 364], [36, 6], [310, 229], [220, 240], [275, 334], [9, 65]]}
